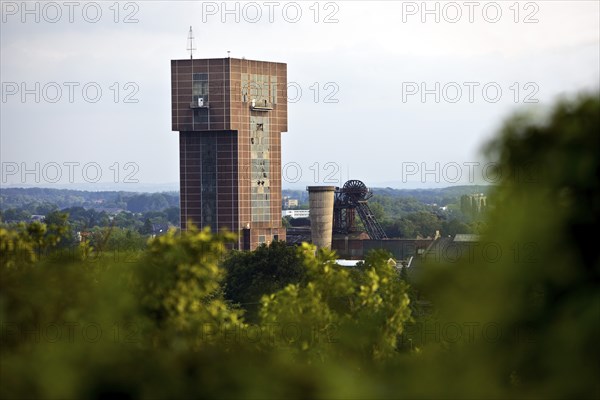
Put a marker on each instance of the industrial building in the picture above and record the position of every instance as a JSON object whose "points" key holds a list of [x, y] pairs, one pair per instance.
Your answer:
{"points": [[334, 215], [295, 213], [230, 114]]}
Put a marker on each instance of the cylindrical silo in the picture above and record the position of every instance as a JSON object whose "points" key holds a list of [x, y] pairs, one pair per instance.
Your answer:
{"points": [[320, 199]]}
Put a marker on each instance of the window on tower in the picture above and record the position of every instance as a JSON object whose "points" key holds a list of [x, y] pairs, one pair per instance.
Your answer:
{"points": [[200, 88]]}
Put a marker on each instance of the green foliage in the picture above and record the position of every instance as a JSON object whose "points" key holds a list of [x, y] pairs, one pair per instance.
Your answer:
{"points": [[58, 228], [179, 281], [75, 326], [159, 325], [399, 228], [14, 214], [82, 219], [378, 211], [17, 248], [553, 194], [424, 224], [172, 215], [455, 226], [57, 313], [365, 309], [408, 213], [149, 202], [396, 207], [266, 270], [25, 244], [147, 228], [127, 220], [538, 290], [113, 239]]}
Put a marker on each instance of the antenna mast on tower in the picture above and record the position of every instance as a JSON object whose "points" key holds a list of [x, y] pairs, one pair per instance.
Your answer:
{"points": [[191, 47]]}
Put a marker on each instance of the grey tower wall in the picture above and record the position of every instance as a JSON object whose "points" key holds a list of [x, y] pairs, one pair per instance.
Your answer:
{"points": [[320, 199]]}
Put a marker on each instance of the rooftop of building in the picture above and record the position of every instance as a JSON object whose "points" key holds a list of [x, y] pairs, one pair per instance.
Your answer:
{"points": [[466, 237], [227, 58]]}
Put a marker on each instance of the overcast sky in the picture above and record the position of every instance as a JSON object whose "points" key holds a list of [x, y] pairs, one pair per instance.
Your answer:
{"points": [[357, 71]]}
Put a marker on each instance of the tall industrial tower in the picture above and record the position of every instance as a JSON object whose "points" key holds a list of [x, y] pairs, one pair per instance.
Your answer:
{"points": [[230, 114]]}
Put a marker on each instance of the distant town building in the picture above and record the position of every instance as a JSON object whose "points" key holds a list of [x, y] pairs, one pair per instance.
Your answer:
{"points": [[289, 203], [480, 201], [295, 213], [473, 204]]}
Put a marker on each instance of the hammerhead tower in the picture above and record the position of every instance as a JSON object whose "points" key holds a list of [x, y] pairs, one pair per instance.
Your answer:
{"points": [[230, 114]]}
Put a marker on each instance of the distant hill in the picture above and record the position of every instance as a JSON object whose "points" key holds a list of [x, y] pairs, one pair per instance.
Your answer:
{"points": [[441, 196], [30, 198]]}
